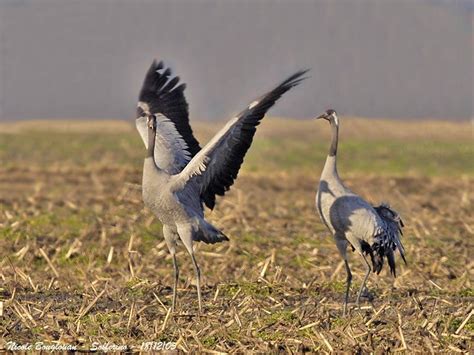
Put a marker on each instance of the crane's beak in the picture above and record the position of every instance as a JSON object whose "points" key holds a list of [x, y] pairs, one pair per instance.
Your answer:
{"points": [[324, 115]]}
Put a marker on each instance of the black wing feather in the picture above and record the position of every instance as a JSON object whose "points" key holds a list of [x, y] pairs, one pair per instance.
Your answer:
{"points": [[223, 169], [163, 96]]}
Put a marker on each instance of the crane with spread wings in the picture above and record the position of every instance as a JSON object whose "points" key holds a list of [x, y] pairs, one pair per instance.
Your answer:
{"points": [[179, 177]]}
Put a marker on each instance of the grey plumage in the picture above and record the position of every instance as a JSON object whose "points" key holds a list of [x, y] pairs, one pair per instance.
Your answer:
{"points": [[178, 176], [373, 231]]}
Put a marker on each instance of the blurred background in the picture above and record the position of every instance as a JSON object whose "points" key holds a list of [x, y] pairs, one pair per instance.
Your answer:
{"points": [[86, 59]]}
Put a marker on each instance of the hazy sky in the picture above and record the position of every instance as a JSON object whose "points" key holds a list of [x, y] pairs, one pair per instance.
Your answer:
{"points": [[87, 59]]}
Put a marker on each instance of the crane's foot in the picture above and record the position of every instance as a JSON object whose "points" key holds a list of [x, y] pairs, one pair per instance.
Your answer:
{"points": [[366, 295], [344, 310], [369, 296]]}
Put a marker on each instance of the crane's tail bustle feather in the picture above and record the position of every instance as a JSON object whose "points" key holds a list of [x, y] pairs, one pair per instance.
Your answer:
{"points": [[208, 234], [388, 240]]}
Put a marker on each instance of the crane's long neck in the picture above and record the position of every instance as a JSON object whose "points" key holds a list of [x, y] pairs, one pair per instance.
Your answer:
{"points": [[330, 167], [151, 171], [334, 138], [151, 143]]}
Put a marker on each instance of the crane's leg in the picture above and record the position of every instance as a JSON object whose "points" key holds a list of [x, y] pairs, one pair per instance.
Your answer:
{"points": [[198, 281], [171, 238], [362, 287], [175, 285], [348, 286], [342, 247], [186, 235]]}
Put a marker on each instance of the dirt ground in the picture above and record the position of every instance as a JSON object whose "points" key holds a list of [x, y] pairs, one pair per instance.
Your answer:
{"points": [[82, 261]]}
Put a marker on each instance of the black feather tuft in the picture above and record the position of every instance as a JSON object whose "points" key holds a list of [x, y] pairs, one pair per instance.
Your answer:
{"points": [[375, 258], [391, 262], [390, 238]]}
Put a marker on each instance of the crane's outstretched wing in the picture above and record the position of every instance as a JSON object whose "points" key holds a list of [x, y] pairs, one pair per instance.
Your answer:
{"points": [[216, 166], [164, 97]]}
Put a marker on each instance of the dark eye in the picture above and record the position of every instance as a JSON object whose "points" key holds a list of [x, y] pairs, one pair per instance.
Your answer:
{"points": [[140, 112]]}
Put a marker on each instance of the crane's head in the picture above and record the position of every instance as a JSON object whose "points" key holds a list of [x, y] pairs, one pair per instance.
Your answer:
{"points": [[330, 115], [144, 110]]}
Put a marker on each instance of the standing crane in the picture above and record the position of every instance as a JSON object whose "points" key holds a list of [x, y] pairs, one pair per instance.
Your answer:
{"points": [[374, 231], [178, 176]]}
